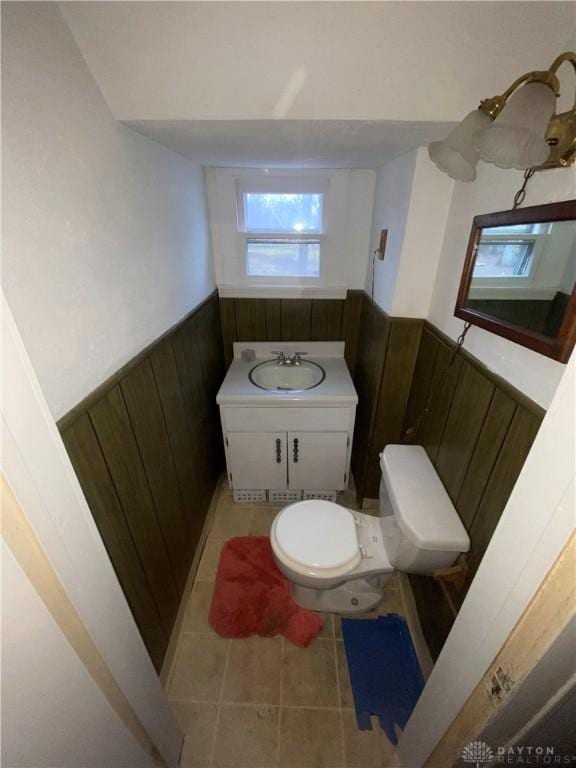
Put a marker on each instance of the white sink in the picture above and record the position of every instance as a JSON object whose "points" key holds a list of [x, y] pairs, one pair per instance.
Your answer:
{"points": [[269, 375]]}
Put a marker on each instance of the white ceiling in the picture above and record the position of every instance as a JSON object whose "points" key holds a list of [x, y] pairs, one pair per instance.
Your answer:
{"points": [[314, 83], [285, 143]]}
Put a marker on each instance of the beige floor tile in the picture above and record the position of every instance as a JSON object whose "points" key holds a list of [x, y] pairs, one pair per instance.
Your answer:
{"points": [[309, 675], [196, 616], [391, 603], [310, 738], [262, 518], [231, 520], [247, 737], [253, 671], [366, 749], [198, 722], [328, 630], [346, 698], [209, 560], [198, 668]]}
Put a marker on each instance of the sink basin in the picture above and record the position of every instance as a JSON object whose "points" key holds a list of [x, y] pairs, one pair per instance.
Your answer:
{"points": [[287, 378]]}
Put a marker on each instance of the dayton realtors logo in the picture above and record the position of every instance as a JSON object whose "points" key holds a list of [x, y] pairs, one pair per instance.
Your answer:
{"points": [[481, 754], [477, 752]]}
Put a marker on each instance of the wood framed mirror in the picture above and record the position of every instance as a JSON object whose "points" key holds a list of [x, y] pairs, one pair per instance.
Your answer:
{"points": [[519, 277]]}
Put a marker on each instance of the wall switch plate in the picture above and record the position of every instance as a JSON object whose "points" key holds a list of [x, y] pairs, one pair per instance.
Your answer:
{"points": [[382, 245]]}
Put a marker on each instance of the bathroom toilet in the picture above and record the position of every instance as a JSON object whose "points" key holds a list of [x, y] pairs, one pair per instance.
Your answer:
{"points": [[339, 560]]}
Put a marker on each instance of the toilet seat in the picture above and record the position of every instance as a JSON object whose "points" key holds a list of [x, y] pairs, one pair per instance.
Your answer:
{"points": [[316, 538]]}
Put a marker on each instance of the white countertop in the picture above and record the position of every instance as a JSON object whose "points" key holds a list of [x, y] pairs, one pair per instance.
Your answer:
{"points": [[336, 389]]}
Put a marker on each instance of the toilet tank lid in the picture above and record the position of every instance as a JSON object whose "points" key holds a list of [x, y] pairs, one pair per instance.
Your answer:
{"points": [[421, 504]]}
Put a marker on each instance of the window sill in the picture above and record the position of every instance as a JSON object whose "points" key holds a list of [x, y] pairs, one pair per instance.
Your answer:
{"points": [[281, 292]]}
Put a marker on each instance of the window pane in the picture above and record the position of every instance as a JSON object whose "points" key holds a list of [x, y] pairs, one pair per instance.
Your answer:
{"points": [[283, 258], [289, 213], [504, 258]]}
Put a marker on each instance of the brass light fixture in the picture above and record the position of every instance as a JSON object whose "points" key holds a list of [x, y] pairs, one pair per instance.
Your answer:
{"points": [[517, 129]]}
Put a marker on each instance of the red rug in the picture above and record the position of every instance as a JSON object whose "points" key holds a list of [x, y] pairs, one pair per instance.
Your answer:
{"points": [[252, 597]]}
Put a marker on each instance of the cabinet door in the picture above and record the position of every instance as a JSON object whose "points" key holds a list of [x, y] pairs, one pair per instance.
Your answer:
{"points": [[317, 460], [257, 459]]}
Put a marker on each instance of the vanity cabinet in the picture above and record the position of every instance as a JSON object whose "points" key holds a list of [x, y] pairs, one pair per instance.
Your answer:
{"points": [[276, 449], [281, 460], [317, 460]]}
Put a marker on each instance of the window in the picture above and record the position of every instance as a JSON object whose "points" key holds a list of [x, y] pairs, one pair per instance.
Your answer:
{"points": [[282, 258], [510, 258], [283, 229], [507, 252]]}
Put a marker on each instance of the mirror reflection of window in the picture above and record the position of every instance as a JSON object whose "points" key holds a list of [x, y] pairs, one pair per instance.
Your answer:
{"points": [[524, 274]]}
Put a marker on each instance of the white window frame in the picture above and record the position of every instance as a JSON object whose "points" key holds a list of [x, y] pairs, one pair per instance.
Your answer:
{"points": [[347, 216], [276, 184]]}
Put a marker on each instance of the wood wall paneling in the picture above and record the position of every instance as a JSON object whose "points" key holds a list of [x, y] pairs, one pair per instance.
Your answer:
{"points": [[351, 316], [326, 320], [86, 456], [273, 320], [296, 319], [180, 436], [292, 320], [116, 437], [394, 391], [229, 331], [477, 432], [430, 432], [148, 452], [510, 460], [469, 408], [374, 332], [147, 418], [250, 319], [486, 450]]}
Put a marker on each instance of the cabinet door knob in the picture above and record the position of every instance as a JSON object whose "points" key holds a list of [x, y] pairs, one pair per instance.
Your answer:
{"points": [[278, 451], [295, 450]]}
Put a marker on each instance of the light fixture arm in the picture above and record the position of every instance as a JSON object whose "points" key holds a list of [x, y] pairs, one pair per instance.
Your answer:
{"points": [[557, 63], [561, 132]]}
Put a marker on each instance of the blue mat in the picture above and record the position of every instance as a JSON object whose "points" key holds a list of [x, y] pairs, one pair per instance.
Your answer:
{"points": [[384, 671]]}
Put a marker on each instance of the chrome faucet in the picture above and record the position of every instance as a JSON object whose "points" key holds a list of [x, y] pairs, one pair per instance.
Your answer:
{"points": [[294, 359]]}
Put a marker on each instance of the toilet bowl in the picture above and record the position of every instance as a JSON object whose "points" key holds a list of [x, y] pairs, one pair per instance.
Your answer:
{"points": [[339, 560]]}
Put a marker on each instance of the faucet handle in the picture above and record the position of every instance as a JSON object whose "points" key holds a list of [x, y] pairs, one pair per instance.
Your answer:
{"points": [[300, 354]]}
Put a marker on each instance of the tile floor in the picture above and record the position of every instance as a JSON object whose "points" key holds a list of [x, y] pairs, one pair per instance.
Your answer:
{"points": [[264, 703]]}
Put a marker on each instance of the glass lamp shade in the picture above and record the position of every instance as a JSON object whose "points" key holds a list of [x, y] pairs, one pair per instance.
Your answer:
{"points": [[516, 138], [457, 155]]}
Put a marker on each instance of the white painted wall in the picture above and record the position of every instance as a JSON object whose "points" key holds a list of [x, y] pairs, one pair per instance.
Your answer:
{"points": [[53, 713], [318, 61], [412, 201], [535, 375], [391, 206], [344, 246], [105, 235], [535, 525], [38, 470]]}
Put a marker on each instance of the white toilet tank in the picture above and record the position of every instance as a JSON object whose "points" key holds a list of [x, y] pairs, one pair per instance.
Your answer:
{"points": [[421, 528]]}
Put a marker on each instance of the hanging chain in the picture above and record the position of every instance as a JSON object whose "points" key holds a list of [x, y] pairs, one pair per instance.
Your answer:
{"points": [[437, 386], [521, 194]]}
